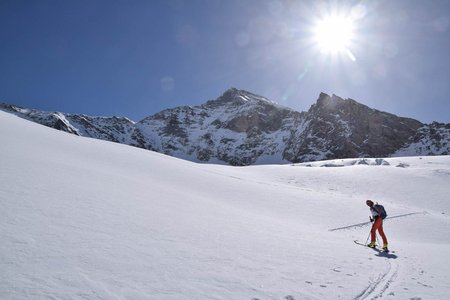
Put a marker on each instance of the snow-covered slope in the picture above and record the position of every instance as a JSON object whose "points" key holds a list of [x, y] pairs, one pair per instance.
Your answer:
{"points": [[241, 128], [88, 219]]}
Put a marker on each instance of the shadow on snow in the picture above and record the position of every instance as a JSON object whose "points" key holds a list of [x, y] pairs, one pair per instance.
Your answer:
{"points": [[381, 253]]}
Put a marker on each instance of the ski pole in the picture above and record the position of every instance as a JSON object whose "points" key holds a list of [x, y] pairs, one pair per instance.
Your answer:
{"points": [[367, 238], [369, 231]]}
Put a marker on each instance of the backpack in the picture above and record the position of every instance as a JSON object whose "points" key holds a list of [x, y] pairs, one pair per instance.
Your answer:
{"points": [[380, 208]]}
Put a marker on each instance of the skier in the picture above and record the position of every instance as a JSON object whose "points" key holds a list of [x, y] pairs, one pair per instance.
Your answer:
{"points": [[377, 225]]}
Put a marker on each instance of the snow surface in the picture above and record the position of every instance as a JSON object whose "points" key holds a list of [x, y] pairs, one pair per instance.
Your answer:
{"points": [[87, 219]]}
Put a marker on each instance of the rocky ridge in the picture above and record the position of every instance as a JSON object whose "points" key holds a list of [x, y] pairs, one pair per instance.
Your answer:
{"points": [[242, 128]]}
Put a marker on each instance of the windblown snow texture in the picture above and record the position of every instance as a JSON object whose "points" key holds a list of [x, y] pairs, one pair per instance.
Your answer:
{"points": [[89, 219]]}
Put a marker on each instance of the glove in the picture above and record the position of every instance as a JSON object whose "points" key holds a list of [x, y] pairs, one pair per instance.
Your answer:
{"points": [[371, 219]]}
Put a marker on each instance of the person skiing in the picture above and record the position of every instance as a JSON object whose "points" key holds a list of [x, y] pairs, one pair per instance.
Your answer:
{"points": [[377, 220]]}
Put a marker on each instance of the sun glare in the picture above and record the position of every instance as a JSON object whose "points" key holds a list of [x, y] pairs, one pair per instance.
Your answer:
{"points": [[334, 34]]}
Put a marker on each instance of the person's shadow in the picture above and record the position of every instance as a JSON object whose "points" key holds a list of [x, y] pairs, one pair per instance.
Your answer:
{"points": [[381, 253]]}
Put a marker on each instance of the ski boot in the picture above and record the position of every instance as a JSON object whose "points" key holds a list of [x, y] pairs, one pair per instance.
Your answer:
{"points": [[385, 248], [371, 244]]}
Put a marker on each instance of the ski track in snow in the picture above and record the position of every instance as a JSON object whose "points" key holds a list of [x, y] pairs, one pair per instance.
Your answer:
{"points": [[379, 286]]}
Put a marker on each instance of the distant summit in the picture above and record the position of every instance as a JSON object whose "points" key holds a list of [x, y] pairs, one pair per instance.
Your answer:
{"points": [[347, 128], [241, 128], [241, 96]]}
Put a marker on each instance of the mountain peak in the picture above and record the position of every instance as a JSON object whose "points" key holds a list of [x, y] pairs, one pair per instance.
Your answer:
{"points": [[234, 95], [242, 128], [327, 102]]}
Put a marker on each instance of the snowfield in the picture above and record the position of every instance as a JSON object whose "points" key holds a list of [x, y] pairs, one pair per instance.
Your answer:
{"points": [[88, 219]]}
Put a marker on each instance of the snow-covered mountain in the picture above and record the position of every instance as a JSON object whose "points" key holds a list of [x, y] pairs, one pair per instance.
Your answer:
{"points": [[241, 128], [89, 219]]}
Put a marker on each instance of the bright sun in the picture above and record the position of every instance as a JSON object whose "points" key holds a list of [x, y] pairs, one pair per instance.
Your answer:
{"points": [[334, 34]]}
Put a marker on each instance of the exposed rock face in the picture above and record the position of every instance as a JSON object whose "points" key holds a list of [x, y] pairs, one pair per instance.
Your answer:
{"points": [[241, 128], [432, 139], [340, 128]]}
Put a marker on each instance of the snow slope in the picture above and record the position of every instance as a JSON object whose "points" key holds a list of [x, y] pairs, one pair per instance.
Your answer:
{"points": [[88, 219]]}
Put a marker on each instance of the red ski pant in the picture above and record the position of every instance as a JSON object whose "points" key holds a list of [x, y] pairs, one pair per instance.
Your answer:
{"points": [[378, 225]]}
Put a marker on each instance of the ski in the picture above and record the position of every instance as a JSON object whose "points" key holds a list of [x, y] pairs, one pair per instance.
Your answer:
{"points": [[374, 248], [359, 243]]}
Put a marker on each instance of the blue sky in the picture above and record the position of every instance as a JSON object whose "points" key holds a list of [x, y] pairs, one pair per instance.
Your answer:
{"points": [[135, 58]]}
